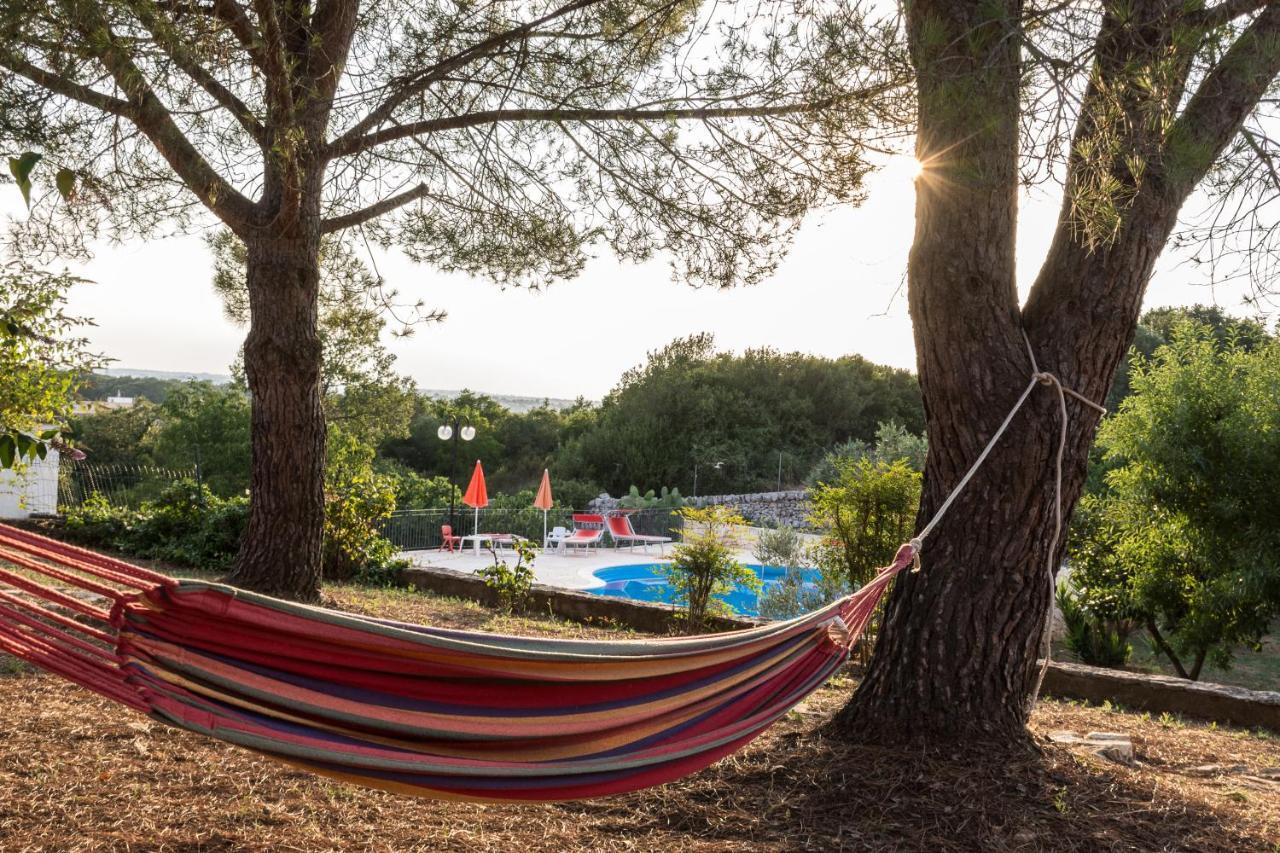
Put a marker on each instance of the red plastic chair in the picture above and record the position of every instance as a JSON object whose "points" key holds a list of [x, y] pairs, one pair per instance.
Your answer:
{"points": [[449, 542]]}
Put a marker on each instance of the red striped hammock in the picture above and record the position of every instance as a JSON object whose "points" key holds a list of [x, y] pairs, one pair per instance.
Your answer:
{"points": [[424, 711]]}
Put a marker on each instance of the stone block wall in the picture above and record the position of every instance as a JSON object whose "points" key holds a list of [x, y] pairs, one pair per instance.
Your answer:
{"points": [[767, 509]]}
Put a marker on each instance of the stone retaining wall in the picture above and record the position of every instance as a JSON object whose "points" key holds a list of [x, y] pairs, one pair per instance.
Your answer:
{"points": [[771, 509], [1162, 693]]}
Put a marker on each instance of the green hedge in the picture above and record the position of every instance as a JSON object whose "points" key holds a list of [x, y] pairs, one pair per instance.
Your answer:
{"points": [[187, 525]]}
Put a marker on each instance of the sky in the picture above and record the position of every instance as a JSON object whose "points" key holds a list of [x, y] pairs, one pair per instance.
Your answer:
{"points": [[841, 290]]}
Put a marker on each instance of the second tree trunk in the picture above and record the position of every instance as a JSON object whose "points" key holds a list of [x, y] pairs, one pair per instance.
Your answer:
{"points": [[282, 358]]}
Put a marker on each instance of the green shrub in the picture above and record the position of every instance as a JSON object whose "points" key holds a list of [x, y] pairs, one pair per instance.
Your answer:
{"points": [[384, 574], [1181, 536], [666, 499], [865, 514], [512, 584], [575, 494], [893, 442], [97, 522], [357, 501], [417, 491], [187, 525], [1096, 641], [794, 596], [703, 566], [781, 547]]}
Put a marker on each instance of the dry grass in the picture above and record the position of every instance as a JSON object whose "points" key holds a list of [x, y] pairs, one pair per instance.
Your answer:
{"points": [[79, 774], [408, 605]]}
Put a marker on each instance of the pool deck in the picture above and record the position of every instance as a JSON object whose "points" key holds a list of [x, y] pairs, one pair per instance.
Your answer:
{"points": [[576, 571]]}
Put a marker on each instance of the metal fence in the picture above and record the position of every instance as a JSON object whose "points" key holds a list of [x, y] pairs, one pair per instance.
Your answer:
{"points": [[119, 485], [420, 529], [409, 530]]}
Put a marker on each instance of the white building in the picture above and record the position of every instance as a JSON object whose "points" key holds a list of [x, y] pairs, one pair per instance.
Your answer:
{"points": [[31, 489]]}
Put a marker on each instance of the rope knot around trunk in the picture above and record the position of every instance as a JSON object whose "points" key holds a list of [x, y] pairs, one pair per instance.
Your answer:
{"points": [[1050, 380]]}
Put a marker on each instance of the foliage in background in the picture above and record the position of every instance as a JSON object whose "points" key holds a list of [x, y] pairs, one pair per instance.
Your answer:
{"points": [[703, 567], [1184, 534], [575, 494], [707, 407], [125, 436], [892, 442], [418, 491], [801, 589], [209, 424], [154, 389], [864, 514], [511, 584], [1096, 640], [689, 404], [187, 525], [515, 447], [1156, 328], [40, 361], [198, 423], [357, 501]]}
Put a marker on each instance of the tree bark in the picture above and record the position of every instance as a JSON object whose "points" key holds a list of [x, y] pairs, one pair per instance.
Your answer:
{"points": [[1158, 639], [281, 551]]}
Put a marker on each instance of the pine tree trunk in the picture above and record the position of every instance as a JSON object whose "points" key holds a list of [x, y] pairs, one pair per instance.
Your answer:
{"points": [[957, 652], [281, 551]]}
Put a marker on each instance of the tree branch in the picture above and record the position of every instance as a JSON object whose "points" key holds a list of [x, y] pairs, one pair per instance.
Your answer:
{"points": [[230, 13], [189, 65], [1164, 647], [373, 211], [151, 116], [339, 148], [1080, 270], [1268, 160], [279, 80], [1226, 12], [1218, 109], [334, 25], [67, 88], [416, 83], [1194, 675]]}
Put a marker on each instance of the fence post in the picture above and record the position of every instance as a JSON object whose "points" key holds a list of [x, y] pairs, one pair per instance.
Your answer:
{"points": [[199, 478]]}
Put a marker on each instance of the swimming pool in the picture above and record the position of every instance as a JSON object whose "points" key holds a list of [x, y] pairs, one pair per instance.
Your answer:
{"points": [[643, 582]]}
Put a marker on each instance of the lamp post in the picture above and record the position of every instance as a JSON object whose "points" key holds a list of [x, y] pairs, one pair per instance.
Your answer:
{"points": [[454, 430], [716, 465]]}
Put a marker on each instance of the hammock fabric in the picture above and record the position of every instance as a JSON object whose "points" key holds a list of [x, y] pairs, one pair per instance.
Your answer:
{"points": [[415, 710]]}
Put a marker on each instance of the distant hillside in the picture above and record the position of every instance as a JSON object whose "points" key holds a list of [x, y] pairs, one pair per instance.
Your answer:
{"points": [[150, 385], [514, 403], [154, 385], [178, 375]]}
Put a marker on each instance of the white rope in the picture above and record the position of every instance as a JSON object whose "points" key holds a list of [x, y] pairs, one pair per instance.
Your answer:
{"points": [[1038, 377]]}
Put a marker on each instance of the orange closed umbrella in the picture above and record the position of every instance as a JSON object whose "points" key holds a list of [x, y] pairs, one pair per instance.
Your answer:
{"points": [[477, 495], [543, 501]]}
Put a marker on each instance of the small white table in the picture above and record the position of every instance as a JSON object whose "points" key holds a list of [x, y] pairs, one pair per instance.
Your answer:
{"points": [[495, 540]]}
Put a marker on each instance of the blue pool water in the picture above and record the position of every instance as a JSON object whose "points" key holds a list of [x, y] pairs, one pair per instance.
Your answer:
{"points": [[642, 582]]}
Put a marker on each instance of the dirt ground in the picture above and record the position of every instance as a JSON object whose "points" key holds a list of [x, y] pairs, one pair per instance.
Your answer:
{"points": [[79, 774]]}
